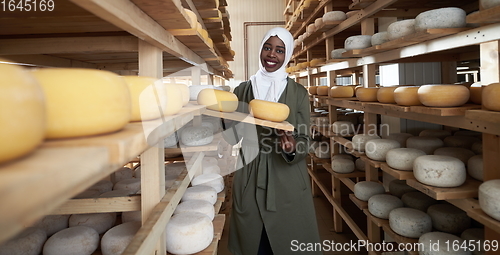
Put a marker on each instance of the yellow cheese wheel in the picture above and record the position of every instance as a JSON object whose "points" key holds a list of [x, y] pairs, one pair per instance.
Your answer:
{"points": [[491, 94], [386, 95], [22, 112], [476, 94], [184, 89], [443, 95], [192, 18], [267, 110], [83, 102], [367, 94], [316, 61], [323, 90], [218, 100], [313, 90], [407, 96], [143, 94], [341, 91], [174, 99]]}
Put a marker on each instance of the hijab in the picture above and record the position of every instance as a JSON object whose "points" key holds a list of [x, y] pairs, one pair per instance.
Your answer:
{"points": [[270, 85]]}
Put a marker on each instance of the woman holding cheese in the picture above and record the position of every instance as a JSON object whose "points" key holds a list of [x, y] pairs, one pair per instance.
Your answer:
{"points": [[273, 210]]}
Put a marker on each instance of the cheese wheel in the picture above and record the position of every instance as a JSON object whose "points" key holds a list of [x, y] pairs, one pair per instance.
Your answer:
{"points": [[439, 133], [363, 190], [476, 94], [53, 223], [460, 153], [400, 29], [313, 90], [188, 233], [318, 22], [450, 17], [210, 168], [427, 144], [184, 89], [171, 141], [144, 93], [489, 198], [200, 192], [337, 53], [443, 95], [131, 216], [386, 95], [407, 96], [83, 102], [119, 237], [103, 186], [122, 174], [460, 141], [477, 147], [267, 110], [360, 164], [449, 218], [342, 165], [380, 38], [358, 42], [317, 61], [194, 90], [322, 90], [400, 137], [322, 151], [475, 167], [399, 187], [351, 13], [311, 28], [132, 185], [367, 94], [475, 237], [402, 158], [192, 18], [438, 243], [74, 240], [381, 205], [490, 96], [409, 222], [213, 180], [196, 136], [486, 4], [22, 112], [377, 149], [218, 100], [439, 171], [359, 141], [101, 222], [200, 206], [333, 16], [343, 128], [29, 242], [342, 156], [418, 200], [341, 91]]}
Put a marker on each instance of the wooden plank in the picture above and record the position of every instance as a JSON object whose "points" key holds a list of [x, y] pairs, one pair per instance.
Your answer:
{"points": [[445, 111], [168, 13], [100, 205], [372, 163], [398, 174], [348, 182], [246, 118], [218, 222], [378, 221], [43, 60], [467, 190], [483, 116], [485, 16], [319, 160], [362, 205], [483, 218]]}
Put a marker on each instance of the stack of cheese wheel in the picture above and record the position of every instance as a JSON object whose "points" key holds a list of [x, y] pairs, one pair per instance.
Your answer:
{"points": [[407, 96], [402, 158], [22, 112], [489, 198], [367, 94], [439, 171], [460, 153], [377, 149], [400, 29], [400, 137], [475, 167], [449, 218], [218, 100], [427, 144], [439, 133], [450, 17], [399, 188], [476, 93], [490, 97], [359, 141], [341, 91], [381, 205], [358, 42], [343, 128], [443, 95], [437, 243], [29, 242], [409, 222], [267, 110], [386, 95], [322, 90], [188, 233], [74, 240], [418, 200], [115, 240], [363, 190]]}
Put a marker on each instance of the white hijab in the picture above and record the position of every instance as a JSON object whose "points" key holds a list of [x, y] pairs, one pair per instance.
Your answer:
{"points": [[269, 86]]}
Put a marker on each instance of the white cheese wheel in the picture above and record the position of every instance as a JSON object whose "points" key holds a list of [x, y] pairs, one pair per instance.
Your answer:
{"points": [[337, 53], [351, 13], [101, 222], [102, 186], [386, 95], [382, 204], [407, 96], [29, 242], [439, 171], [322, 151], [450, 17], [342, 156], [83, 102], [399, 187], [194, 90], [322, 90], [119, 237], [377, 149], [477, 147], [476, 94], [409, 222], [188, 233], [358, 42], [343, 128], [363, 190], [131, 216], [360, 164], [380, 38], [196, 136], [359, 141], [132, 185], [486, 4], [400, 137], [185, 93], [489, 198], [402, 158], [143, 93], [117, 193], [460, 141], [400, 29], [443, 95], [122, 174], [332, 16], [200, 192], [425, 143], [74, 240], [342, 165], [213, 180], [171, 140], [439, 133], [53, 223], [311, 28], [200, 206], [449, 218], [439, 243], [418, 200], [475, 167], [341, 91], [218, 100], [318, 22], [477, 236], [490, 96], [22, 112], [268, 110], [460, 153], [367, 94]]}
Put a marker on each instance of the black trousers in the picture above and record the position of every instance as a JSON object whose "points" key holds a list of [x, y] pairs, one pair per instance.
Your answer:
{"points": [[264, 246]]}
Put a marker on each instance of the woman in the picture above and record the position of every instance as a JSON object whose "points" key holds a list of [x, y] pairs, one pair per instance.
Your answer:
{"points": [[273, 211]]}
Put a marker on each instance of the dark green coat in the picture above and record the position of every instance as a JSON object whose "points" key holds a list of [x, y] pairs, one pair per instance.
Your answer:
{"points": [[274, 188]]}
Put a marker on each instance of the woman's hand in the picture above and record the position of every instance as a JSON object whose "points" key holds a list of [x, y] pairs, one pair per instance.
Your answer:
{"points": [[287, 141]]}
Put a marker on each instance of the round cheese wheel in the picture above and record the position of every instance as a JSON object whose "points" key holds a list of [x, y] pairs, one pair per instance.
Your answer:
{"points": [[367, 94], [200, 192], [460, 153], [407, 96], [268, 110], [490, 96], [29, 242], [200, 206], [489, 198], [450, 17], [53, 223], [386, 95], [341, 91], [317, 61], [477, 147], [192, 18], [210, 168], [318, 22], [342, 165], [360, 164], [322, 151], [322, 90], [22, 112], [343, 128], [443, 95], [400, 29], [351, 13], [418, 200], [409, 222], [313, 90], [476, 94], [143, 94], [103, 186], [188, 233], [101, 222], [184, 89], [358, 42], [449, 218], [475, 167], [359, 141], [83, 102], [474, 236], [427, 144], [400, 137], [379, 38], [437, 243], [381, 205], [213, 180], [439, 133], [119, 237], [194, 90], [439, 171], [311, 28], [332, 16], [74, 240], [399, 187], [342, 156], [218, 100], [337, 53], [402, 158], [460, 141], [377, 149], [363, 190], [486, 4], [196, 136], [131, 216], [122, 174], [132, 185], [171, 141]]}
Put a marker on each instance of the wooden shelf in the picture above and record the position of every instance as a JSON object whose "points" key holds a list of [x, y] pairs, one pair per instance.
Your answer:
{"points": [[398, 174], [378, 221], [467, 190], [445, 111], [213, 146], [483, 218], [483, 116], [246, 118], [362, 205], [485, 16], [400, 239], [373, 163]]}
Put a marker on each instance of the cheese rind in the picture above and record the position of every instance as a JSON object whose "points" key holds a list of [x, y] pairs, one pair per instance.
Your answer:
{"points": [[475, 167], [200, 192], [213, 180], [400, 29], [460, 153], [418, 200], [407, 96], [439, 171], [489, 198], [341, 91], [358, 42], [435, 243], [359, 141], [443, 95], [200, 206], [439, 133], [410, 222], [74, 240], [450, 17], [266, 110], [101, 222], [196, 136], [29, 242], [144, 97], [399, 188], [342, 165], [386, 95], [188, 233], [343, 127], [402, 158], [115, 240], [381, 205], [322, 90], [425, 143], [377, 149], [367, 94], [490, 96], [363, 190], [218, 100], [449, 218]]}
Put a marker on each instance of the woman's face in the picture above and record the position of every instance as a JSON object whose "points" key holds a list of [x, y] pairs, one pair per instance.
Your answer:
{"points": [[272, 54]]}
